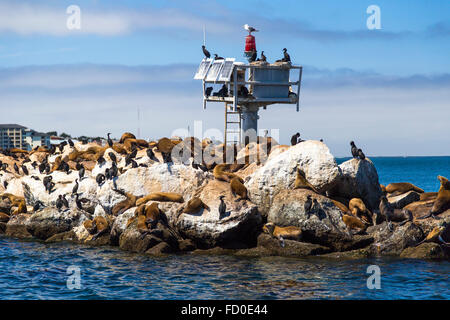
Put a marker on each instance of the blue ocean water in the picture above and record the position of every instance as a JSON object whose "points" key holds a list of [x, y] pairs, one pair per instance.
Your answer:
{"points": [[35, 270]]}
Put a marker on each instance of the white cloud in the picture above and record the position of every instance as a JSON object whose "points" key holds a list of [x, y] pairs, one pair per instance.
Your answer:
{"points": [[31, 18]]}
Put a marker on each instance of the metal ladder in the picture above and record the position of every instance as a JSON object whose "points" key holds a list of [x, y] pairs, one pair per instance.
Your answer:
{"points": [[230, 119]]}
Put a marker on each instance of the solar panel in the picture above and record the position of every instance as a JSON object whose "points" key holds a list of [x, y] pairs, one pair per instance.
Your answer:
{"points": [[214, 71], [227, 70], [203, 69]]}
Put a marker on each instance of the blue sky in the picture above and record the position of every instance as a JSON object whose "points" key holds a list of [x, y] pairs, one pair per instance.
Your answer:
{"points": [[387, 89]]}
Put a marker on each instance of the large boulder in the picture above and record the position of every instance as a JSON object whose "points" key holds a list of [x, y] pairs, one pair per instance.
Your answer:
{"points": [[49, 221], [389, 242], [279, 172], [269, 246], [323, 226], [238, 228], [358, 179], [162, 177], [424, 251]]}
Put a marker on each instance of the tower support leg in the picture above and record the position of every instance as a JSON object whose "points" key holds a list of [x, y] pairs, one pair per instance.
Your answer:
{"points": [[249, 123]]}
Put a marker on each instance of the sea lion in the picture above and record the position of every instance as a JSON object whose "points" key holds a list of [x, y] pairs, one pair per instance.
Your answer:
{"points": [[435, 235], [222, 175], [125, 136], [4, 217], [124, 205], [152, 214], [401, 187], [194, 205], [290, 232], [353, 222], [97, 227], [301, 182], [428, 196], [161, 196], [442, 202], [383, 188], [238, 188], [341, 207], [359, 210]]}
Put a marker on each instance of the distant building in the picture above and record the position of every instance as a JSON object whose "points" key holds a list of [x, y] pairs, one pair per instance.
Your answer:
{"points": [[17, 136], [36, 139], [12, 136]]}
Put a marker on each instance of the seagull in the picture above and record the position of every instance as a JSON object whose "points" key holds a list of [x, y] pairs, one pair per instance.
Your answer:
{"points": [[206, 52], [249, 29]]}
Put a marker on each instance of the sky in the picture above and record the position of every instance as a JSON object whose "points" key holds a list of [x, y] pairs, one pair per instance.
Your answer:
{"points": [[387, 89]]}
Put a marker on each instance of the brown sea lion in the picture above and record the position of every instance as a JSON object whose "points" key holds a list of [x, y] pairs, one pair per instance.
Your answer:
{"points": [[442, 202], [353, 222], [238, 188], [220, 173], [125, 136], [4, 217], [161, 196], [341, 207], [359, 210], [383, 188], [428, 196], [291, 232], [301, 182], [401, 187], [152, 214], [124, 205], [194, 205]]}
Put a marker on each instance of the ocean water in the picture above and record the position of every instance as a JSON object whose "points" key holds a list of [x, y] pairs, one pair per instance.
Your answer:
{"points": [[35, 270]]}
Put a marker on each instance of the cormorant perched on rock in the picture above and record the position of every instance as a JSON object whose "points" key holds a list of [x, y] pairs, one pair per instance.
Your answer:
{"points": [[71, 144], [59, 203], [101, 160], [222, 207], [24, 169], [37, 205], [110, 142], [78, 166], [78, 202], [100, 179], [81, 172], [208, 91], [75, 187], [354, 149], [64, 201], [361, 155], [16, 168], [151, 155], [263, 57], [112, 156], [216, 57], [133, 164], [206, 52], [294, 139], [5, 184], [308, 205], [286, 58]]}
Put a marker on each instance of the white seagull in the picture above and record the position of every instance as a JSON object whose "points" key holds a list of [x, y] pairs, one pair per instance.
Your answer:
{"points": [[250, 29]]}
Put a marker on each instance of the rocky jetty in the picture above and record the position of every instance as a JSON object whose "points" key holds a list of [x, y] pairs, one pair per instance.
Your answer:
{"points": [[156, 198]]}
